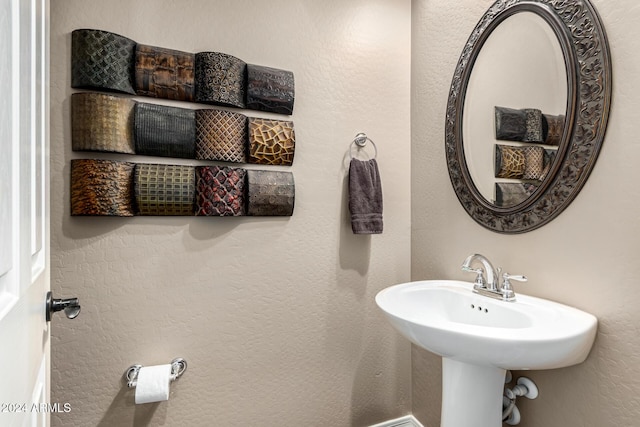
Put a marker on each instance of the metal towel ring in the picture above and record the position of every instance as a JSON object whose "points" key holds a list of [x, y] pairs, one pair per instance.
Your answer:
{"points": [[361, 141]]}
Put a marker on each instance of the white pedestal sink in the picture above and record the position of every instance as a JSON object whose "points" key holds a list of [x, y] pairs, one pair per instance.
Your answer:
{"points": [[480, 338]]}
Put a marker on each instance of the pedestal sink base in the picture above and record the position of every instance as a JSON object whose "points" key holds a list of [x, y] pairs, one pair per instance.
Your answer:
{"points": [[471, 395], [447, 318]]}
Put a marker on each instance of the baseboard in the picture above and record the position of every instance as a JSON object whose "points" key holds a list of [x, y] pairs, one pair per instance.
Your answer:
{"points": [[408, 421]]}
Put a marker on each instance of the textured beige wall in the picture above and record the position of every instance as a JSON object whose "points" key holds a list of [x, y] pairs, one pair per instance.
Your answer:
{"points": [[587, 257], [275, 316]]}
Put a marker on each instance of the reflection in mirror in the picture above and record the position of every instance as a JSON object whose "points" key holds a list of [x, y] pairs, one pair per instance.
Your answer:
{"points": [[528, 125], [518, 84], [548, 60], [529, 164]]}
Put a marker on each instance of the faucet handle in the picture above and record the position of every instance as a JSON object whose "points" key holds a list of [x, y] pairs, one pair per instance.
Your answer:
{"points": [[517, 278], [479, 282], [507, 290]]}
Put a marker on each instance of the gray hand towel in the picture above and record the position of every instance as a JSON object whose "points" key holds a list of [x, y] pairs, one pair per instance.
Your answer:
{"points": [[365, 197]]}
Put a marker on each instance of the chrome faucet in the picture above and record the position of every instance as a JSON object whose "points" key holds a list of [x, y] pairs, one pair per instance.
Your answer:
{"points": [[492, 275], [491, 286]]}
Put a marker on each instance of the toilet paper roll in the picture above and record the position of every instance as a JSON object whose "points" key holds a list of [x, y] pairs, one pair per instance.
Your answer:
{"points": [[153, 384]]}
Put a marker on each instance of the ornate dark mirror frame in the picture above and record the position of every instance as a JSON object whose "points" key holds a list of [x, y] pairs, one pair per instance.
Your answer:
{"points": [[586, 52]]}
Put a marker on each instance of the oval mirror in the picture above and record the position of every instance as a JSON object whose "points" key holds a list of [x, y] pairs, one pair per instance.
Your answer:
{"points": [[527, 111]]}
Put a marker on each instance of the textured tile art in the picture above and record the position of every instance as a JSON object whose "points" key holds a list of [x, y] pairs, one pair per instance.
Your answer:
{"points": [[271, 142], [107, 61], [164, 73], [101, 122], [164, 131], [270, 89], [220, 191], [102, 187], [221, 135], [164, 189], [270, 193], [106, 123], [102, 60], [220, 79]]}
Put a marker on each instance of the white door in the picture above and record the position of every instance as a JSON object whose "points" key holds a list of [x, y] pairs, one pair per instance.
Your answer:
{"points": [[24, 212]]}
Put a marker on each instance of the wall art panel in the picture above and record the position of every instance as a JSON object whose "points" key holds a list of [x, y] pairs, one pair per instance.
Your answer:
{"points": [[164, 73], [107, 61], [101, 122], [102, 187], [270, 89], [221, 135], [164, 131], [102, 60], [164, 189], [220, 191], [270, 193], [271, 142], [220, 79]]}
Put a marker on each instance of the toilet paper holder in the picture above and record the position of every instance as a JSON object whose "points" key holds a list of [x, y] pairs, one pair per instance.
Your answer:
{"points": [[178, 366]]}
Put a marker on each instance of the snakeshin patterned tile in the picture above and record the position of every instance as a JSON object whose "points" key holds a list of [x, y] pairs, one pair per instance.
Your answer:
{"points": [[164, 73], [270, 89], [221, 135], [270, 193], [164, 131], [220, 191], [102, 122], [102, 60], [220, 79], [101, 187], [271, 142], [164, 189]]}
